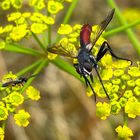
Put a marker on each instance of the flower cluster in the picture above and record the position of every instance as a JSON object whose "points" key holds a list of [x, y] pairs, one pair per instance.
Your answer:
{"points": [[23, 24], [12, 98], [122, 83]]}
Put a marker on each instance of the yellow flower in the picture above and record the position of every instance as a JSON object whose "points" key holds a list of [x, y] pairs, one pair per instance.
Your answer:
{"points": [[33, 93], [99, 89], [132, 107], [74, 35], [51, 56], [107, 73], [16, 98], [72, 39], [115, 107], [9, 76], [16, 3], [121, 64], [124, 132], [64, 29], [40, 5], [38, 28], [3, 113], [107, 61], [103, 110], [116, 81], [131, 83], [2, 45], [134, 71], [14, 16], [89, 92], [5, 4], [19, 32], [118, 72], [47, 20], [122, 101], [1, 30], [54, 7], [7, 28], [137, 82], [125, 77], [137, 90], [77, 28], [21, 118], [36, 17], [21, 20], [26, 14], [1, 134], [64, 41]]}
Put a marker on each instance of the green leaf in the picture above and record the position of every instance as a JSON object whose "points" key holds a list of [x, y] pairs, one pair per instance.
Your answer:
{"points": [[43, 63], [18, 49], [65, 66], [39, 42], [121, 29]]}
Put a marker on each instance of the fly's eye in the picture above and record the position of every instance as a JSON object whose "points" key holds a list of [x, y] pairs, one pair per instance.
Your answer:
{"points": [[77, 68], [88, 66]]}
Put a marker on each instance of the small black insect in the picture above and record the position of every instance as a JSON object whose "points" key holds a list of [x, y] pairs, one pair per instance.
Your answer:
{"points": [[17, 81], [86, 60]]}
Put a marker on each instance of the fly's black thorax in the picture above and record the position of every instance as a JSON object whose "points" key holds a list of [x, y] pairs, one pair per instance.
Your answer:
{"points": [[85, 56]]}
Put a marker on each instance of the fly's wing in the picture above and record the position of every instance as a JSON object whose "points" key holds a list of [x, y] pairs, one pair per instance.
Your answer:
{"points": [[101, 27], [64, 51]]}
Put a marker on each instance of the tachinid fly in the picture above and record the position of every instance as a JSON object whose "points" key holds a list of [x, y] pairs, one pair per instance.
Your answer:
{"points": [[86, 60]]}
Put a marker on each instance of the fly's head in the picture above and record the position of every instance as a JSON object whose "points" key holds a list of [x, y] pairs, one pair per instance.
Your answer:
{"points": [[84, 69], [22, 79]]}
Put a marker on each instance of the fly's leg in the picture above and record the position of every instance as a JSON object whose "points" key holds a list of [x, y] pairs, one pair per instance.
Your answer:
{"points": [[102, 83], [91, 78], [104, 48], [83, 74], [88, 83]]}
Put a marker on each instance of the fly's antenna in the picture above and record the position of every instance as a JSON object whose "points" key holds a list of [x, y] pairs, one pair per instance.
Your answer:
{"points": [[101, 83], [88, 83]]}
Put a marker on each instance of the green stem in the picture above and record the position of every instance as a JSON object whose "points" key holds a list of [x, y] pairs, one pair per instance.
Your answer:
{"points": [[70, 11], [29, 68], [65, 66], [18, 49], [125, 117], [43, 63], [121, 29], [49, 35], [39, 42], [49, 32], [129, 32], [67, 16]]}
